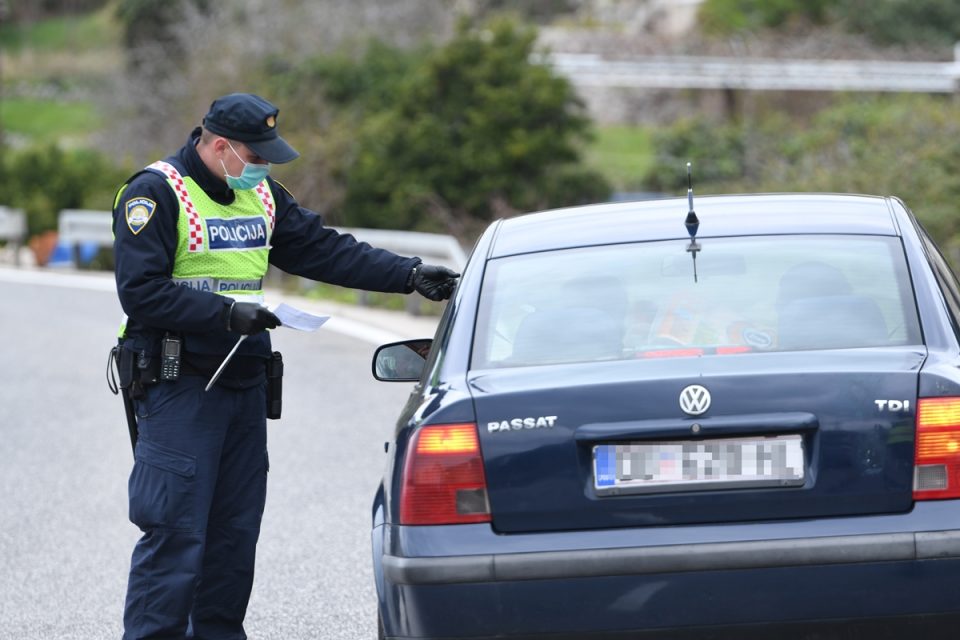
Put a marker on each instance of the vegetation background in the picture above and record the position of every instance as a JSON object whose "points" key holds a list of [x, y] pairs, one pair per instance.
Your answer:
{"points": [[434, 115]]}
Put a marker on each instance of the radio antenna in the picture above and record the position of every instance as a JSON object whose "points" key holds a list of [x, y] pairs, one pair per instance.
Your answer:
{"points": [[692, 223]]}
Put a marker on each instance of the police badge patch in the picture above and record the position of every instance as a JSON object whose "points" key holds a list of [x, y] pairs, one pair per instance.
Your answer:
{"points": [[139, 212]]}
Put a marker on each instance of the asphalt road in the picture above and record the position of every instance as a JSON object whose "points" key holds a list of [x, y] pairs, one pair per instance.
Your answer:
{"points": [[65, 540]]}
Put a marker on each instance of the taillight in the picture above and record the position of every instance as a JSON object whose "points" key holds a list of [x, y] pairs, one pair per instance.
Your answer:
{"points": [[936, 470], [443, 480]]}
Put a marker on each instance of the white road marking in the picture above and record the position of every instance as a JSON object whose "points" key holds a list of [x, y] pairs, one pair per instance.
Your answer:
{"points": [[106, 283]]}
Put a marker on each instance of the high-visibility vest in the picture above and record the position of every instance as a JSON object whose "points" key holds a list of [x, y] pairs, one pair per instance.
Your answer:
{"points": [[223, 249]]}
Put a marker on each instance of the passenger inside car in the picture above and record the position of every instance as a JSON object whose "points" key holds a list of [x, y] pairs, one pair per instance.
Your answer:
{"points": [[589, 325], [819, 310]]}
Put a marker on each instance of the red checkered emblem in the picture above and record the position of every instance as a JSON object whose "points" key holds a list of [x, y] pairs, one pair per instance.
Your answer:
{"points": [[195, 226], [266, 197]]}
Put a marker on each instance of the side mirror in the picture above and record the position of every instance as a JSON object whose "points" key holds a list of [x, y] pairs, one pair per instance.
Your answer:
{"points": [[401, 361]]}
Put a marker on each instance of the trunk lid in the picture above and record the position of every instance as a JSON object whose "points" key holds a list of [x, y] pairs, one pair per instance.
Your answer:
{"points": [[852, 409]]}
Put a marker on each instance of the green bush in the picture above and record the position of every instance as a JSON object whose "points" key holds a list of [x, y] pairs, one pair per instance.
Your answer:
{"points": [[906, 146], [360, 84], [536, 10], [935, 22], [886, 22], [730, 16], [717, 152], [477, 131], [44, 180]]}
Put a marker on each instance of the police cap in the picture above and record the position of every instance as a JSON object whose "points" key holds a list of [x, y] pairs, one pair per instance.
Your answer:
{"points": [[251, 120]]}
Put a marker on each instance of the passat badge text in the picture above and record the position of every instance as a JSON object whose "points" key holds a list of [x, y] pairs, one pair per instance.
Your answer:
{"points": [[516, 424], [237, 233]]}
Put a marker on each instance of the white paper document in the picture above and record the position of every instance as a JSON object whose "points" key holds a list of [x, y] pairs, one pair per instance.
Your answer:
{"points": [[293, 318]]}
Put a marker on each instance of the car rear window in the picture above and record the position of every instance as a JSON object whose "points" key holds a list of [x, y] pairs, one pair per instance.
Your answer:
{"points": [[750, 294]]}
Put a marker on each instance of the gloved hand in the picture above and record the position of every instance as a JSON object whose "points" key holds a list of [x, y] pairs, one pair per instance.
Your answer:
{"points": [[250, 317], [433, 281]]}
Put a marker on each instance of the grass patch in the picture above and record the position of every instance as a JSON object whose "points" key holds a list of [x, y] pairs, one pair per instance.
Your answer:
{"points": [[623, 154], [89, 32], [68, 51], [47, 121]]}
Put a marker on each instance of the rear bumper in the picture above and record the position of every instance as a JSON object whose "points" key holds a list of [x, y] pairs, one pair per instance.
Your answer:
{"points": [[928, 627], [722, 556], [875, 577]]}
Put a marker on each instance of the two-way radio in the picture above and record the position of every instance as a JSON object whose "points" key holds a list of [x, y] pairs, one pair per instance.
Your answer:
{"points": [[170, 348]]}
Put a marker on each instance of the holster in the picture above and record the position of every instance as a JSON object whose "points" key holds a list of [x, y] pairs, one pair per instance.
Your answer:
{"points": [[136, 370], [274, 385], [125, 366]]}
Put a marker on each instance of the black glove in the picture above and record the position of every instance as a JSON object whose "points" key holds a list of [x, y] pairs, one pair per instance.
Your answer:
{"points": [[250, 317], [433, 281]]}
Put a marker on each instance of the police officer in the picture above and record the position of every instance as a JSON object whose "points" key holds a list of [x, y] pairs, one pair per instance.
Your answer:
{"points": [[194, 235]]}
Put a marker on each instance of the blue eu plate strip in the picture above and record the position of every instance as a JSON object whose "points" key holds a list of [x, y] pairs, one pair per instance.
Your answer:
{"points": [[605, 459]]}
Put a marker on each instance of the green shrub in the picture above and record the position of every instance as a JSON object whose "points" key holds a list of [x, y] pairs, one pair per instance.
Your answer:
{"points": [[925, 22], [717, 152], [886, 22], [905, 146], [730, 16], [477, 131], [44, 180]]}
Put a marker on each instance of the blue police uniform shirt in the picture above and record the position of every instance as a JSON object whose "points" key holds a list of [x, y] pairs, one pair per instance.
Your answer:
{"points": [[300, 245]]}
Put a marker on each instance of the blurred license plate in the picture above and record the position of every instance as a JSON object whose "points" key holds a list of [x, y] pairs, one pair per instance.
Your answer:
{"points": [[687, 465]]}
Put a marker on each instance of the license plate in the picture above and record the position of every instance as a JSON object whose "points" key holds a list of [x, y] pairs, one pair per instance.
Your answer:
{"points": [[688, 465]]}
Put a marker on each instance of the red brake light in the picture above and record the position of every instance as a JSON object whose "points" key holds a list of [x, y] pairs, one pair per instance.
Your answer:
{"points": [[936, 471], [443, 480], [690, 352], [734, 349], [673, 353]]}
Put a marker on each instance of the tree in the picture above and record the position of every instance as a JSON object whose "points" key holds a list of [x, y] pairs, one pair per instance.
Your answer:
{"points": [[476, 132], [926, 22]]}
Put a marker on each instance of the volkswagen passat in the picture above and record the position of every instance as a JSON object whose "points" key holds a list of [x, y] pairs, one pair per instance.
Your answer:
{"points": [[628, 425]]}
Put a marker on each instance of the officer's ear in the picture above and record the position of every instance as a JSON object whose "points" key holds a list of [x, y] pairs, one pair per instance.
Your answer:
{"points": [[220, 145]]}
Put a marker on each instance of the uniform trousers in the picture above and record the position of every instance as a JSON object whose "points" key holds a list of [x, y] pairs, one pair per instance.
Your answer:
{"points": [[197, 491]]}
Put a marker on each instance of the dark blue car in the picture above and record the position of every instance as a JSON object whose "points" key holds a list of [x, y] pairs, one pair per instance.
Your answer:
{"points": [[621, 432]]}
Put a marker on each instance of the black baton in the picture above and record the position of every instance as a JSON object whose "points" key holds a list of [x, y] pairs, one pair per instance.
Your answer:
{"points": [[131, 418]]}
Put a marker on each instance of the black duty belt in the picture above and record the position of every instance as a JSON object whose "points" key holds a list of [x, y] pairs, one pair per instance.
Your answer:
{"points": [[240, 367]]}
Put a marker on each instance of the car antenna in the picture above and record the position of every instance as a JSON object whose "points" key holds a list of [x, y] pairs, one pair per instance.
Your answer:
{"points": [[692, 222]]}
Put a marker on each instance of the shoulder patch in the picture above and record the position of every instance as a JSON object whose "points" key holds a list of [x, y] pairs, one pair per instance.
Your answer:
{"points": [[138, 213]]}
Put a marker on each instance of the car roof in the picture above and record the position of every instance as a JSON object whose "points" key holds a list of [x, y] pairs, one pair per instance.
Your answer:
{"points": [[726, 215]]}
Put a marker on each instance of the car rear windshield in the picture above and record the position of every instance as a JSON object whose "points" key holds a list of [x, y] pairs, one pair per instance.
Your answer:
{"points": [[653, 300]]}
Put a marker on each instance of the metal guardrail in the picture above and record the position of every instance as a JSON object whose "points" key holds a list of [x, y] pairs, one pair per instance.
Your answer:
{"points": [[435, 247], [759, 74], [76, 226], [81, 225], [13, 229]]}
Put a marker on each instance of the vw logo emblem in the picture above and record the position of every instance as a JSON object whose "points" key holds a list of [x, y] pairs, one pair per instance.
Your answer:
{"points": [[695, 400]]}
